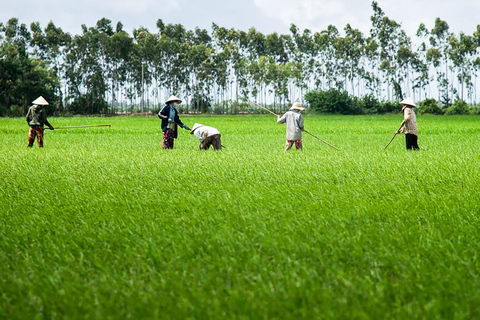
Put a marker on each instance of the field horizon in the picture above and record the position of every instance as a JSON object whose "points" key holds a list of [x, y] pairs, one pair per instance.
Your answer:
{"points": [[102, 223]]}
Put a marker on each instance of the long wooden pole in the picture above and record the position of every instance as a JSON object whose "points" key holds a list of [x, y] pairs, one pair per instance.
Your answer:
{"points": [[392, 138], [321, 140], [276, 115], [74, 127]]}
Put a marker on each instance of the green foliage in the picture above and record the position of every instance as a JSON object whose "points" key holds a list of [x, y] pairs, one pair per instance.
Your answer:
{"points": [[333, 101], [430, 106], [104, 224], [458, 107]]}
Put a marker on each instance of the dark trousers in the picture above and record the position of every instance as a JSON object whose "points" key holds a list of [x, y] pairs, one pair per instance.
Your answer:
{"points": [[411, 141], [214, 141]]}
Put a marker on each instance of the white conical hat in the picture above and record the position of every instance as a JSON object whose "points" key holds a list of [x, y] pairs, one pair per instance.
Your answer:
{"points": [[40, 101], [173, 98], [195, 127], [297, 106], [408, 102]]}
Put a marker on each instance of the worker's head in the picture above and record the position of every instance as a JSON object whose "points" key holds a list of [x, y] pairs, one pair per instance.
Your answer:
{"points": [[407, 103], [40, 101], [173, 100], [195, 127], [297, 106]]}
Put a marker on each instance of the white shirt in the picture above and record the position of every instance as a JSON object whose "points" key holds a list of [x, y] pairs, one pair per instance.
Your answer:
{"points": [[205, 131], [294, 122]]}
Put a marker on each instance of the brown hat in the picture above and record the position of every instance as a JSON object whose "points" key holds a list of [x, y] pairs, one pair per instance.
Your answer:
{"points": [[40, 101], [173, 99]]}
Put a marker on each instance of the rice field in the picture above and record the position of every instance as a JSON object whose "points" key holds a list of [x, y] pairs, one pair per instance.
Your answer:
{"points": [[104, 224]]}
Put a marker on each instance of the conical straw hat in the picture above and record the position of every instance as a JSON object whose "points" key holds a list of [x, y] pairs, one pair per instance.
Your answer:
{"points": [[408, 102], [173, 98], [40, 101], [195, 127], [297, 106]]}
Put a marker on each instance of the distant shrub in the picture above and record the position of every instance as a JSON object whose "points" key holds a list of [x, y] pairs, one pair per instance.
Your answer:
{"points": [[390, 106], [458, 107], [15, 111], [3, 110], [333, 101], [371, 105], [430, 106]]}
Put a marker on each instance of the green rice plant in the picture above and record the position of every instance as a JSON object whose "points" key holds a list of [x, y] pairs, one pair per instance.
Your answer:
{"points": [[102, 223]]}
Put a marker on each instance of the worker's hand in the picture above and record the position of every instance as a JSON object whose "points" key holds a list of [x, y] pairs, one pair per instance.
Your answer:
{"points": [[51, 128], [170, 120], [278, 117], [186, 127]]}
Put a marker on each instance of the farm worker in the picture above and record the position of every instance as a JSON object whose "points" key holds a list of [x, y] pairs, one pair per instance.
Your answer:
{"points": [[36, 119], [208, 136], [294, 121], [170, 120], [409, 124]]}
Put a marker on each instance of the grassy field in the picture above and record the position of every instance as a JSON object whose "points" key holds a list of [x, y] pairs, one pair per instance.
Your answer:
{"points": [[104, 224]]}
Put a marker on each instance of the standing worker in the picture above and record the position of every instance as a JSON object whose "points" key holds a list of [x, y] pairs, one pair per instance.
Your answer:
{"points": [[170, 120], [36, 119], [294, 121], [208, 136], [409, 124]]}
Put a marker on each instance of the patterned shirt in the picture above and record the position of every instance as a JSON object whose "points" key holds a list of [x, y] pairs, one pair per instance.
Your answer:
{"points": [[410, 125]]}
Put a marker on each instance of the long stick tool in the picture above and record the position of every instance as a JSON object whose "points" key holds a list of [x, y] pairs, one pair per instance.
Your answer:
{"points": [[302, 130], [276, 115], [392, 138], [74, 127], [321, 140]]}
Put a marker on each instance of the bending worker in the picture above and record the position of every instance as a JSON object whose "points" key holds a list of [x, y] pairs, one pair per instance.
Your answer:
{"points": [[170, 121], [294, 120], [36, 119], [409, 124], [208, 136]]}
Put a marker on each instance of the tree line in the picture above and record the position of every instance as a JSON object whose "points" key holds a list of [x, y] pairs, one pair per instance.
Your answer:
{"points": [[105, 69]]}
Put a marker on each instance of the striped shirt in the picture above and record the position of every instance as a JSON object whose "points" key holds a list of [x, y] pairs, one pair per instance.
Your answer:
{"points": [[410, 125]]}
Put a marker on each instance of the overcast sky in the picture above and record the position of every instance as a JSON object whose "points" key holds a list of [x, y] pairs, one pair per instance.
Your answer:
{"points": [[266, 16]]}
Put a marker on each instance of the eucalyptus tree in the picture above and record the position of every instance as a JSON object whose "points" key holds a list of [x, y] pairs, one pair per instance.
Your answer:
{"points": [[272, 67], [173, 46], [257, 60], [302, 57], [348, 52], [461, 52], [143, 63], [391, 38], [438, 54], [86, 71], [121, 53], [476, 62], [368, 72], [327, 67]]}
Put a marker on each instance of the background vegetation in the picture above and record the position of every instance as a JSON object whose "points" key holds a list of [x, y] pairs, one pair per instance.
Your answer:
{"points": [[105, 69], [103, 224]]}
